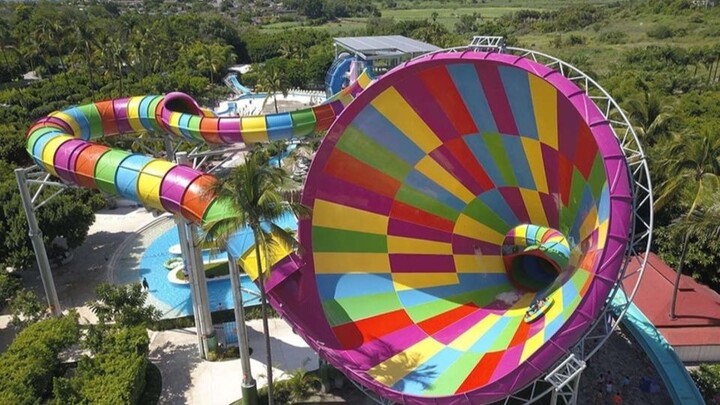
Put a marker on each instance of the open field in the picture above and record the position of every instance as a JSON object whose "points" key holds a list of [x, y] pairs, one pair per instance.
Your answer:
{"points": [[447, 13]]}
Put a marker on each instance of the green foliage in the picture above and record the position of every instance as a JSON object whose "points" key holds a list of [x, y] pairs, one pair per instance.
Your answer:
{"points": [[295, 389], [123, 305], [69, 215], [661, 32], [331, 9], [210, 60], [115, 375], [707, 379], [468, 24], [26, 309], [10, 284], [27, 366], [612, 37], [702, 257], [301, 383]]}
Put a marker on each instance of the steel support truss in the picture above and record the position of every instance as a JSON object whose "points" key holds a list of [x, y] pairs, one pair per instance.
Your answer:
{"points": [[562, 379], [26, 178]]}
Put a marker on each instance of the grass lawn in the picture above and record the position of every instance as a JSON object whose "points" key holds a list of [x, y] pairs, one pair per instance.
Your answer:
{"points": [[448, 13], [635, 27]]}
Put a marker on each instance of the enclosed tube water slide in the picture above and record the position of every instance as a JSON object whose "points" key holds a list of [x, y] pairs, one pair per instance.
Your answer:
{"points": [[448, 198], [337, 74]]}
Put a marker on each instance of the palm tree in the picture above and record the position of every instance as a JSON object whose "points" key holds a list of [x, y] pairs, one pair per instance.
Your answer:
{"points": [[254, 190], [272, 81], [693, 167], [117, 51], [84, 37], [652, 116]]}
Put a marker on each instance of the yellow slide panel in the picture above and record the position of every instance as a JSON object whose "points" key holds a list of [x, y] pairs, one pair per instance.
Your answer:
{"points": [[149, 182]]}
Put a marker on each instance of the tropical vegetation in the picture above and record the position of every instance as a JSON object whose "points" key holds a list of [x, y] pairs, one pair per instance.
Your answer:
{"points": [[111, 370]]}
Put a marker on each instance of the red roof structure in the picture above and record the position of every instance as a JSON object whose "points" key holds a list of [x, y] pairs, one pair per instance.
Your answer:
{"points": [[697, 309]]}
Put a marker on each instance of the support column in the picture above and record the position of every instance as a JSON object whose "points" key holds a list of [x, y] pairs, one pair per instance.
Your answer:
{"points": [[248, 385], [187, 263], [208, 330], [194, 260], [38, 244]]}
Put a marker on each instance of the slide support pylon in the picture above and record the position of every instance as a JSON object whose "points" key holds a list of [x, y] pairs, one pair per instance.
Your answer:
{"points": [[36, 237]]}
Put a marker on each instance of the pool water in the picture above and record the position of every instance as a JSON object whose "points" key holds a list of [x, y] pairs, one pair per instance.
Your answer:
{"points": [[275, 160], [174, 299]]}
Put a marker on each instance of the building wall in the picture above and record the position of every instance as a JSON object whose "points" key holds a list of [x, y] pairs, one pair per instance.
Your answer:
{"points": [[698, 354]]}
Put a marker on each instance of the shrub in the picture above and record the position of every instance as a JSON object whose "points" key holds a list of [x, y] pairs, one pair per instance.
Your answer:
{"points": [[613, 37], [9, 285], [227, 315], [281, 393], [661, 32], [26, 309], [301, 383], [26, 368], [573, 39], [707, 379], [116, 375]]}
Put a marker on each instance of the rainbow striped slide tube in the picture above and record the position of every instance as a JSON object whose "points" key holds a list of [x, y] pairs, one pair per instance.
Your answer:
{"points": [[534, 256], [61, 144]]}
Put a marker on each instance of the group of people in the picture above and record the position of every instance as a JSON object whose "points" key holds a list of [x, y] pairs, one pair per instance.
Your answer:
{"points": [[607, 388]]}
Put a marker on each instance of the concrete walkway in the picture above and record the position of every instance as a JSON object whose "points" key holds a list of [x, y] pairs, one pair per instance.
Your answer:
{"points": [[188, 380]]}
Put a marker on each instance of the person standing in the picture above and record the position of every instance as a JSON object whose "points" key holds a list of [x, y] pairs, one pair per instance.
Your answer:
{"points": [[617, 399], [145, 284]]}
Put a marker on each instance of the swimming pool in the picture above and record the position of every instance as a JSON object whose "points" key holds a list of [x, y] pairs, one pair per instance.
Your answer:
{"points": [[275, 160], [174, 299]]}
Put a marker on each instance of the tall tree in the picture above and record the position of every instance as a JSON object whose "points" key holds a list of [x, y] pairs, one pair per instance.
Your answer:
{"points": [[692, 164], [273, 80], [254, 191], [652, 116], [84, 37]]}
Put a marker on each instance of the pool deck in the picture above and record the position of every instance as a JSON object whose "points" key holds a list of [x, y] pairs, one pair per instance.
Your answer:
{"points": [[187, 380]]}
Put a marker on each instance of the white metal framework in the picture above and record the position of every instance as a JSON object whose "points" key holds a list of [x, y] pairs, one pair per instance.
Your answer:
{"points": [[562, 379], [485, 43]]}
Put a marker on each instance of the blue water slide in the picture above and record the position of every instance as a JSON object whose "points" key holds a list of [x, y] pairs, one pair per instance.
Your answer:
{"points": [[680, 385], [234, 84], [234, 80], [336, 75], [230, 108]]}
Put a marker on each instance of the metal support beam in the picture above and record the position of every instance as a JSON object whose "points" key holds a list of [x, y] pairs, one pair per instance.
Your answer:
{"points": [[38, 244], [169, 150], [208, 331], [186, 251]]}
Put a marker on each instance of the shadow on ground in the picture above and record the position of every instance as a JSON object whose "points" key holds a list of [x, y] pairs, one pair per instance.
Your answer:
{"points": [[176, 364]]}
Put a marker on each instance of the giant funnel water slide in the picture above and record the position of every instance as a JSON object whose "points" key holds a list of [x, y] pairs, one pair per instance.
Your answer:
{"points": [[449, 199]]}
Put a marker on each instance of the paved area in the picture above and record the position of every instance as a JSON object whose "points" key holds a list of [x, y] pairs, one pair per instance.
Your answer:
{"points": [[187, 380]]}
